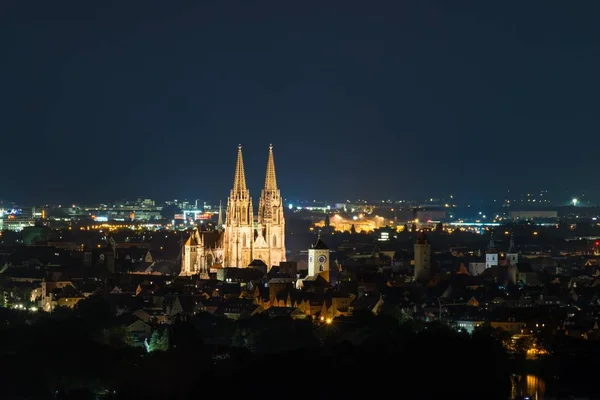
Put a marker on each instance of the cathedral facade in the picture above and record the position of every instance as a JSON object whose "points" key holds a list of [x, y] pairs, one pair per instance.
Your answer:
{"points": [[244, 237]]}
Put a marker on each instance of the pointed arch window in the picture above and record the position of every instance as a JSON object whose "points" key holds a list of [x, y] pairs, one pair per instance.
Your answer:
{"points": [[274, 241], [244, 240]]}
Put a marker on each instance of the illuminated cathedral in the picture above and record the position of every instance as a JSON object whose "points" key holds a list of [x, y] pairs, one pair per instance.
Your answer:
{"points": [[244, 238]]}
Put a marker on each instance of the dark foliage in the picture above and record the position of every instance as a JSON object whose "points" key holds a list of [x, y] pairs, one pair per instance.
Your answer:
{"points": [[66, 355]]}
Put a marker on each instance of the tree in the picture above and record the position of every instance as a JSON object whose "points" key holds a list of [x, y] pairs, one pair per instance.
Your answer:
{"points": [[523, 344], [117, 336], [94, 309], [158, 341]]}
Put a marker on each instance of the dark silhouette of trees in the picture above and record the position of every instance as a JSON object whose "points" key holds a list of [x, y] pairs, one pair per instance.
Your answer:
{"points": [[355, 352], [95, 310]]}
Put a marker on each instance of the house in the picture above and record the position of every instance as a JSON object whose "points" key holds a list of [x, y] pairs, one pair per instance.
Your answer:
{"points": [[151, 315], [68, 297], [138, 332], [238, 308], [183, 305]]}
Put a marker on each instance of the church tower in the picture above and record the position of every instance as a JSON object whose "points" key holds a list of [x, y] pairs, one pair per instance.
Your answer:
{"points": [[269, 244], [239, 220], [318, 258], [422, 259], [220, 218], [491, 254], [512, 255]]}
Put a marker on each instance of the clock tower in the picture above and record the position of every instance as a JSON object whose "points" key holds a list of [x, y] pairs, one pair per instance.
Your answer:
{"points": [[318, 258]]}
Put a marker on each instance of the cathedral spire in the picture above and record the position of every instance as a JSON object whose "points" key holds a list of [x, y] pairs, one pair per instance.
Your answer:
{"points": [[220, 220], [511, 245], [270, 179], [239, 182], [270, 207]]}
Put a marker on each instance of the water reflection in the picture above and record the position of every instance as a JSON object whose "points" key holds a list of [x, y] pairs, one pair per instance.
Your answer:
{"points": [[528, 385]]}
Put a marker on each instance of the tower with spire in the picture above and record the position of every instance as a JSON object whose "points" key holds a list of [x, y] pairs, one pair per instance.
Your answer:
{"points": [[491, 253], [318, 257], [512, 255], [239, 220], [220, 219], [270, 221]]}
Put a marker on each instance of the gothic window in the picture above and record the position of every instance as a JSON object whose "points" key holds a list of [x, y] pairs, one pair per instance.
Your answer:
{"points": [[209, 261], [321, 267], [274, 240], [244, 240]]}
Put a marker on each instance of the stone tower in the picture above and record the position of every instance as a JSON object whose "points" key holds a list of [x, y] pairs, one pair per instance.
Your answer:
{"points": [[422, 259], [512, 255], [318, 258], [270, 221], [239, 220], [491, 253]]}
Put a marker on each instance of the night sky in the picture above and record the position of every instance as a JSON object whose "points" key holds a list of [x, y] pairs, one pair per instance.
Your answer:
{"points": [[400, 99]]}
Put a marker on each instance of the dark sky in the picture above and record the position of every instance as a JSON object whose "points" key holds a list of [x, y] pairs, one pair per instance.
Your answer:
{"points": [[111, 99]]}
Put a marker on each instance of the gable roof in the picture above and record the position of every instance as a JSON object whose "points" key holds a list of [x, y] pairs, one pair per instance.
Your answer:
{"points": [[320, 245]]}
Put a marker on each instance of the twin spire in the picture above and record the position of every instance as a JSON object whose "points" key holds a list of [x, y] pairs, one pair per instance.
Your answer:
{"points": [[239, 181], [270, 179]]}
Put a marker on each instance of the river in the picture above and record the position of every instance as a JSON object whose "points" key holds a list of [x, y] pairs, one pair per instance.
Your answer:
{"points": [[528, 385]]}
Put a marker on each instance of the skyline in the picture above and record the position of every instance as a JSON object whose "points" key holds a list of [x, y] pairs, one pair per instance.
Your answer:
{"points": [[390, 100]]}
